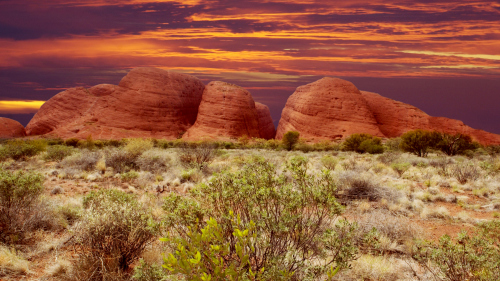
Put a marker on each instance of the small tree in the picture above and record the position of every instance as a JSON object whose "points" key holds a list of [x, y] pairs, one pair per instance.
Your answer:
{"points": [[362, 143], [290, 139], [419, 142], [455, 144]]}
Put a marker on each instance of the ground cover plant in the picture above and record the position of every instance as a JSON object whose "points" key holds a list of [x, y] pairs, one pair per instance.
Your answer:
{"points": [[247, 209]]}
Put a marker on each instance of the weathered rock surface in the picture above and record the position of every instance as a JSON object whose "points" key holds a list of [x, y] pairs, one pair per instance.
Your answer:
{"points": [[330, 108], [266, 126], [148, 102], [396, 118], [11, 129], [226, 111]]}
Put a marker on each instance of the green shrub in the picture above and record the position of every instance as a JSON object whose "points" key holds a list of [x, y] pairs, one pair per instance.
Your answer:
{"points": [[471, 256], [130, 176], [72, 142], [290, 139], [22, 149], [58, 152], [362, 143], [329, 162], [455, 144], [400, 168], [19, 196], [111, 235], [419, 142], [291, 215], [136, 147]]}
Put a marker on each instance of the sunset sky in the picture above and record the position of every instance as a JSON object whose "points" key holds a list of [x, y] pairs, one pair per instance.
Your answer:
{"points": [[442, 56]]}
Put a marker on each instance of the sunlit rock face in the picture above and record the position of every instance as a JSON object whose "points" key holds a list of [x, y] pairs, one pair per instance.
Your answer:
{"points": [[11, 129], [332, 108]]}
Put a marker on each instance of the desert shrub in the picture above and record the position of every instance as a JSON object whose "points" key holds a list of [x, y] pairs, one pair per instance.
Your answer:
{"points": [[198, 155], [136, 147], [290, 216], [120, 160], [19, 196], [465, 172], [22, 149], [393, 144], [455, 144], [290, 139], [472, 255], [192, 175], [395, 227], [58, 152], [389, 157], [11, 264], [400, 168], [84, 160], [362, 143], [419, 142], [130, 176], [303, 146], [72, 142], [111, 235], [153, 160], [329, 162], [355, 187]]}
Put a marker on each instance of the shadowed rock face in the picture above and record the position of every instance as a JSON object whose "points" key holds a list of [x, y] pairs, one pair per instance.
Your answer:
{"points": [[11, 129], [332, 108], [148, 102], [329, 108], [226, 111], [266, 125]]}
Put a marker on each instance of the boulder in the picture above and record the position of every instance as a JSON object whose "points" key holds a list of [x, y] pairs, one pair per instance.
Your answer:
{"points": [[328, 109], [11, 128], [226, 111], [266, 125], [148, 103]]}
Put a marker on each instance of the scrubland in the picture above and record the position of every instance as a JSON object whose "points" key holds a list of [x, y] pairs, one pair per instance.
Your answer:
{"points": [[247, 210]]}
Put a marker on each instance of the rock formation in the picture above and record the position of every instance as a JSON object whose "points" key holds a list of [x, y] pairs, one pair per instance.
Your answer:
{"points": [[266, 125], [332, 108], [327, 109], [226, 111], [11, 129], [148, 102]]}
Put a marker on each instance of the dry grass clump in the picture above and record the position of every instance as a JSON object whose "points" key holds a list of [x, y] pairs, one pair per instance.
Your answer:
{"points": [[376, 268], [437, 213], [120, 160], [11, 264], [154, 160], [198, 155], [389, 157], [397, 228], [465, 173], [85, 160], [136, 147], [358, 187]]}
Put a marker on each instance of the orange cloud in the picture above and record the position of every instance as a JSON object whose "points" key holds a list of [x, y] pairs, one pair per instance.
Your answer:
{"points": [[18, 107]]}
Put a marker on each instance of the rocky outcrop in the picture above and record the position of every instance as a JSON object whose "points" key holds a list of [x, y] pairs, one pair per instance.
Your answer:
{"points": [[148, 103], [226, 111], [11, 129], [266, 125], [327, 109], [394, 118]]}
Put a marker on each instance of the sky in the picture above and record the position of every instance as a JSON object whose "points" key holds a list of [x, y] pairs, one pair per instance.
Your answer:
{"points": [[442, 56]]}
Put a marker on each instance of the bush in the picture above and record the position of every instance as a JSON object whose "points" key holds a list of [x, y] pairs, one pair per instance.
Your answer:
{"points": [[120, 160], [111, 235], [85, 160], [363, 143], [356, 187], [329, 162], [58, 152], [198, 155], [19, 196], [136, 147], [464, 173], [22, 149], [455, 144], [419, 142], [290, 216], [154, 161], [474, 255], [72, 142], [290, 139], [400, 168]]}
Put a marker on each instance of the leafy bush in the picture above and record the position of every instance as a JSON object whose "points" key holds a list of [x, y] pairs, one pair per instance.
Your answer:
{"points": [[58, 152], [198, 155], [474, 255], [400, 168], [136, 147], [153, 160], [19, 196], [111, 235], [289, 216], [455, 144], [290, 139], [419, 142], [22, 149], [120, 160], [329, 162], [362, 143], [85, 160]]}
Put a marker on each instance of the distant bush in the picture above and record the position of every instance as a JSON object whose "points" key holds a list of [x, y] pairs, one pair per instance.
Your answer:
{"points": [[19, 197], [136, 147], [120, 160], [419, 142], [72, 142], [111, 235], [58, 152], [363, 143], [455, 144], [275, 225], [198, 155], [22, 149], [85, 160], [290, 139], [153, 160]]}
